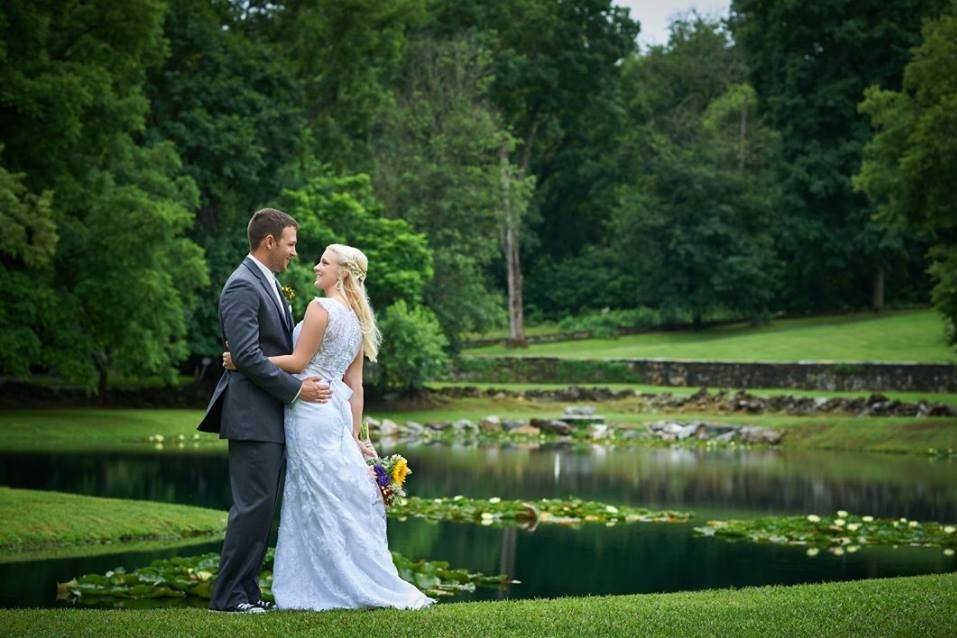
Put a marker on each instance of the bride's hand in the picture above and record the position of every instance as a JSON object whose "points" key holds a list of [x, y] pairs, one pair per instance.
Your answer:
{"points": [[367, 449], [228, 361]]}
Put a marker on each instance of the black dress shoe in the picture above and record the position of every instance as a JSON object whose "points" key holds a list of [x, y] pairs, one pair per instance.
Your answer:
{"points": [[242, 608], [265, 605]]}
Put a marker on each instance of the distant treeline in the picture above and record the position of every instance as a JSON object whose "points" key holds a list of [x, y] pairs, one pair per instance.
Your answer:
{"points": [[795, 157]]}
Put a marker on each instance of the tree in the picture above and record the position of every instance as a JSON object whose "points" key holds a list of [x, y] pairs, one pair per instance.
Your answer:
{"points": [[71, 111], [437, 166], [413, 348], [552, 62], [228, 99], [345, 54], [810, 63], [342, 209], [28, 240], [910, 163], [692, 234]]}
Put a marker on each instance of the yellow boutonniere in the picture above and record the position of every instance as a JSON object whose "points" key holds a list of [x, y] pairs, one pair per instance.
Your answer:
{"points": [[288, 293]]}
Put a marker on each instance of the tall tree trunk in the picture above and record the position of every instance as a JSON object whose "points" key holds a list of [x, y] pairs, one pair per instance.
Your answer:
{"points": [[878, 299], [510, 245], [102, 369]]}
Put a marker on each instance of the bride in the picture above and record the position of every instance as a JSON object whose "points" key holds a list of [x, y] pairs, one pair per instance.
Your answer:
{"points": [[332, 550]]}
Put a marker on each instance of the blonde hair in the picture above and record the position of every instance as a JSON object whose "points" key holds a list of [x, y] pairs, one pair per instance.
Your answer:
{"points": [[352, 266]]}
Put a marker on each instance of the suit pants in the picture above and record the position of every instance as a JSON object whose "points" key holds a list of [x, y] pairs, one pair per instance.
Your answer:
{"points": [[255, 474]]}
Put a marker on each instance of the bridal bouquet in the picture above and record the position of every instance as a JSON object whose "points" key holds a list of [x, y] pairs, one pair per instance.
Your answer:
{"points": [[390, 473]]}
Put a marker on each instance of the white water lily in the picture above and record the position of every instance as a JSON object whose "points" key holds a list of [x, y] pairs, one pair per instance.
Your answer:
{"points": [[457, 497], [812, 552], [902, 519], [487, 515], [611, 509], [813, 518], [853, 527], [842, 513], [867, 519], [948, 552], [852, 548], [913, 524], [838, 551], [495, 499], [950, 529], [840, 522]]}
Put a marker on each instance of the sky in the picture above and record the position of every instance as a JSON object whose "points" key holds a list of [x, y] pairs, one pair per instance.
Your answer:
{"points": [[654, 15]]}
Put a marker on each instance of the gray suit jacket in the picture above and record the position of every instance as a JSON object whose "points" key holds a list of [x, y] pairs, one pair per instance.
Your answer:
{"points": [[248, 404]]}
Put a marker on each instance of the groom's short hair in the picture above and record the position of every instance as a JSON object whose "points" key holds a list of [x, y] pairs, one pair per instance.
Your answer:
{"points": [[268, 221]]}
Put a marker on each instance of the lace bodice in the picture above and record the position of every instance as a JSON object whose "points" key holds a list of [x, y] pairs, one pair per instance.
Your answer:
{"points": [[340, 343]]}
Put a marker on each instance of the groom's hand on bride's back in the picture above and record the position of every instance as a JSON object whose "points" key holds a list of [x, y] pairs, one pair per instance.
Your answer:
{"points": [[315, 390]]}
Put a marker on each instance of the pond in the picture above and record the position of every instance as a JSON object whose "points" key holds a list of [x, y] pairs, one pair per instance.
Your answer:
{"points": [[556, 561]]}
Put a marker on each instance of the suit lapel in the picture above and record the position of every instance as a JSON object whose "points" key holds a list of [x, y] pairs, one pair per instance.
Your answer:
{"points": [[270, 292]]}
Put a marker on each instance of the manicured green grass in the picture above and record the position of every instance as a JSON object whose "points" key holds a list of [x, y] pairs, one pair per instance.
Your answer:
{"points": [[914, 335], [38, 523], [127, 430], [91, 430], [914, 606]]}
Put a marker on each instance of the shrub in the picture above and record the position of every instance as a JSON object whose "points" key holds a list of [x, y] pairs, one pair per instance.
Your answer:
{"points": [[413, 348]]}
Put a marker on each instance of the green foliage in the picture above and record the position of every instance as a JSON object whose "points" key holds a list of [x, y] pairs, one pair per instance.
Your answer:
{"points": [[840, 533], [810, 64], [122, 273], [692, 233], [193, 577], [413, 348], [437, 166], [511, 513], [231, 105], [28, 239], [609, 323], [342, 209], [910, 162]]}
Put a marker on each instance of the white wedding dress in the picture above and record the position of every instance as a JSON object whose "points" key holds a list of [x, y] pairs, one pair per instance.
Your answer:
{"points": [[332, 551]]}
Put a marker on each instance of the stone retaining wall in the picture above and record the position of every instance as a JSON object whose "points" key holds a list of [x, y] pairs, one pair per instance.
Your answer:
{"points": [[917, 377]]}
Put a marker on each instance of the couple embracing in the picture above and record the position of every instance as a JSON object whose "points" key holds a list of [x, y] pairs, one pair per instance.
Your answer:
{"points": [[290, 402]]}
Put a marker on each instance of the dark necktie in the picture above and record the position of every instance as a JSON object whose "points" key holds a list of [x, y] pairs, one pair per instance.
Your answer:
{"points": [[286, 319]]}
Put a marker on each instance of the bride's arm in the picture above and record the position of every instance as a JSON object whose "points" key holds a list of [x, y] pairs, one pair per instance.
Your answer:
{"points": [[313, 328], [353, 379]]}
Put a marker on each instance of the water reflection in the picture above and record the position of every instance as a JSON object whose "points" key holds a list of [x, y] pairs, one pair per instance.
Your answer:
{"points": [[710, 482]]}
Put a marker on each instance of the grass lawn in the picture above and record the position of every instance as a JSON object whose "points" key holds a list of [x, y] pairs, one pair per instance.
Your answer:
{"points": [[913, 606], [912, 335], [127, 430], [44, 524]]}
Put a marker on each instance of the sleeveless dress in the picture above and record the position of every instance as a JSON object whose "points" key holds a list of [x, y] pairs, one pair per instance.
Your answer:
{"points": [[332, 551]]}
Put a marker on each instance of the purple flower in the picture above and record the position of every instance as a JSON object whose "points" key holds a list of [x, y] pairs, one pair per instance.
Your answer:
{"points": [[381, 476]]}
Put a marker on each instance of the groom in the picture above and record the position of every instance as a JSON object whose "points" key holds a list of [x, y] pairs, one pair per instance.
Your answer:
{"points": [[247, 405]]}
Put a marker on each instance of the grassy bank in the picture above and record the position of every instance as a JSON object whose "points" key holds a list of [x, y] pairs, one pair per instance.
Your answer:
{"points": [[915, 606], [39, 524], [915, 335]]}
